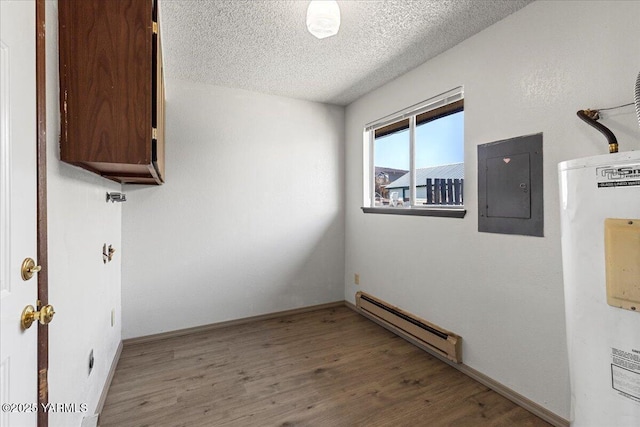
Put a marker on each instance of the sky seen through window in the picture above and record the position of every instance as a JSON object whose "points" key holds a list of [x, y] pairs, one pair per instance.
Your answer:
{"points": [[438, 142]]}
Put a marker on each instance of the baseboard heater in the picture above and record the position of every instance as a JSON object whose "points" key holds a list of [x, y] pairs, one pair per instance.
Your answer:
{"points": [[407, 325]]}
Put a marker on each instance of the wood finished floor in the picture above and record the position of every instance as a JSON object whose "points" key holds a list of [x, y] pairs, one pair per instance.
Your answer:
{"points": [[330, 367]]}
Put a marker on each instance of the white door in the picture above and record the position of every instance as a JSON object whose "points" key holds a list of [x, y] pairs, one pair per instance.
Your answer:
{"points": [[18, 358]]}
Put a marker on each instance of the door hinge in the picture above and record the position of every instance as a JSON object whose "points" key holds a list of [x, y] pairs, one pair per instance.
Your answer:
{"points": [[154, 133], [155, 28]]}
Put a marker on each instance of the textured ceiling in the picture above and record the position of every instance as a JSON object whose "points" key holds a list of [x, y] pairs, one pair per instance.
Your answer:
{"points": [[264, 46]]}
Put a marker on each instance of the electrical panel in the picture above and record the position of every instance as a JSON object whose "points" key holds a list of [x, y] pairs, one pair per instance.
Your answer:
{"points": [[510, 186]]}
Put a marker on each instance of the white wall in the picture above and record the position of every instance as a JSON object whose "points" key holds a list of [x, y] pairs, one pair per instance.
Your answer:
{"points": [[503, 294], [82, 289], [250, 220]]}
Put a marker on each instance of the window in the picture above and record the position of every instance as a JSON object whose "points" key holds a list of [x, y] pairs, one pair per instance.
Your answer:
{"points": [[416, 159]]}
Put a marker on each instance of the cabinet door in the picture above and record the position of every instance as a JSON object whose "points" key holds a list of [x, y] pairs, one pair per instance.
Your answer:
{"points": [[107, 92], [158, 100]]}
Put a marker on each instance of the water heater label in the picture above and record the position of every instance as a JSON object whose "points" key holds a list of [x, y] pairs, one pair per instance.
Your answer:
{"points": [[618, 176], [625, 373]]}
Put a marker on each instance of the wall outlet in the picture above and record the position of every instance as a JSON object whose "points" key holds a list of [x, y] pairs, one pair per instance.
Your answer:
{"points": [[356, 279], [113, 317]]}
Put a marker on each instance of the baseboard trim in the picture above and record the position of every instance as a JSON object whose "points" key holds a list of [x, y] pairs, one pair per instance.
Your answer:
{"points": [[352, 306], [494, 385], [212, 326], [107, 383]]}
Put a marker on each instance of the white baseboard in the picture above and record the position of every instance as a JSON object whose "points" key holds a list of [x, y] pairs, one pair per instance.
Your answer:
{"points": [[107, 383]]}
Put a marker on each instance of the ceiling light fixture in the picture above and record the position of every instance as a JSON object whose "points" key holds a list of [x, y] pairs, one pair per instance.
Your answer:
{"points": [[323, 18]]}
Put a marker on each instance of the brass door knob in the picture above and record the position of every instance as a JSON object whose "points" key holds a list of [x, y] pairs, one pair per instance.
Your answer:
{"points": [[29, 268], [30, 315]]}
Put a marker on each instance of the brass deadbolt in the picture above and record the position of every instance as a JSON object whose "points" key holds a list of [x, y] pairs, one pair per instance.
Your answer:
{"points": [[29, 268], [30, 315]]}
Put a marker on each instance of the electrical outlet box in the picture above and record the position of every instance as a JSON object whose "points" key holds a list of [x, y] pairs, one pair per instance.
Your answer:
{"points": [[356, 279]]}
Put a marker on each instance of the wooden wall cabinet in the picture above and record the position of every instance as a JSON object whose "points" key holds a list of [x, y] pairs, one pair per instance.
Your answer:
{"points": [[111, 89]]}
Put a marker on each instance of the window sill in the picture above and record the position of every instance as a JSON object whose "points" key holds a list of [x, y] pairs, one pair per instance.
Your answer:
{"points": [[441, 212]]}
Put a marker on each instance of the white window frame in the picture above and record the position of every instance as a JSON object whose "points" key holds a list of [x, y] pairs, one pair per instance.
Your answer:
{"points": [[410, 113]]}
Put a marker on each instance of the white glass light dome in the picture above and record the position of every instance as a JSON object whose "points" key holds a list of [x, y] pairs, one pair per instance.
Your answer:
{"points": [[323, 18]]}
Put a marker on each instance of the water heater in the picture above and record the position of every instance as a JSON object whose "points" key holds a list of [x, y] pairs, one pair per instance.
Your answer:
{"points": [[600, 218]]}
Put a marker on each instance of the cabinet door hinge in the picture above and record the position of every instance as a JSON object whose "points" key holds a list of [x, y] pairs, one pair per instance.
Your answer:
{"points": [[155, 28]]}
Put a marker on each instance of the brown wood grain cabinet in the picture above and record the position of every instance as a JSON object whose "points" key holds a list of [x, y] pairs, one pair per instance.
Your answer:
{"points": [[111, 89]]}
